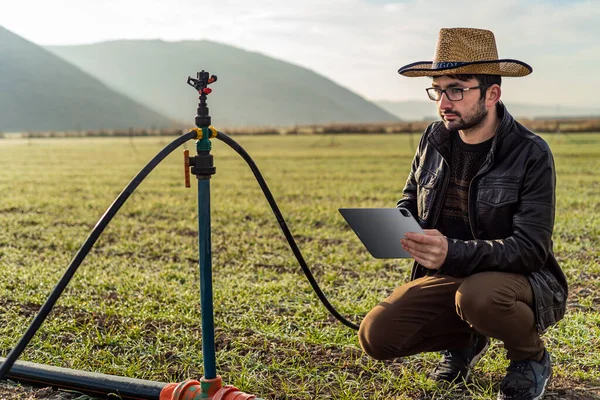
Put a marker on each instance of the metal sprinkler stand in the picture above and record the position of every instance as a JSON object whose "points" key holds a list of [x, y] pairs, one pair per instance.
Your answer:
{"points": [[210, 385]]}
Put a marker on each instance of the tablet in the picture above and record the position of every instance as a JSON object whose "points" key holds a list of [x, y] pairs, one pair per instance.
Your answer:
{"points": [[380, 229]]}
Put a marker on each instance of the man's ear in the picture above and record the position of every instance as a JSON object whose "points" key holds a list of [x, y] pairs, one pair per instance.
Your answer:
{"points": [[492, 95]]}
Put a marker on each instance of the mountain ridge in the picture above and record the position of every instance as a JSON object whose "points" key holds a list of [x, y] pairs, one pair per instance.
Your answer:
{"points": [[252, 88], [42, 92]]}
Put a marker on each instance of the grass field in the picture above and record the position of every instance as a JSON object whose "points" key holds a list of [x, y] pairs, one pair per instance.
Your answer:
{"points": [[132, 308]]}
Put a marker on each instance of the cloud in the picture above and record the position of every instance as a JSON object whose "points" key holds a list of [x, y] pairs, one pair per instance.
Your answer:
{"points": [[358, 43]]}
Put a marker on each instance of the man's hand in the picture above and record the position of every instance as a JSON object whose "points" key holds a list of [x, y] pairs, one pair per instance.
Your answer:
{"points": [[429, 250]]}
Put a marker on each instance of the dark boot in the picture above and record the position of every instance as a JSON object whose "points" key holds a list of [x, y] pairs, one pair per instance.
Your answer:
{"points": [[456, 364], [526, 380]]}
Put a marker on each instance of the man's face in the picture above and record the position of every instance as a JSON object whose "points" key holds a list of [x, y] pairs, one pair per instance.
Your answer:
{"points": [[468, 113]]}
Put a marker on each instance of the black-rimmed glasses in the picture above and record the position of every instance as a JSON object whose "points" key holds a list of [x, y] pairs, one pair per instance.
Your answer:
{"points": [[452, 93]]}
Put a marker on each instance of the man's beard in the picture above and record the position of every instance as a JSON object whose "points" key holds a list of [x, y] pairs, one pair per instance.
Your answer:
{"points": [[470, 121]]}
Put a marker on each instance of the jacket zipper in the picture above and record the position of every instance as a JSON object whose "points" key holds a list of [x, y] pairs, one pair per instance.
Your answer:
{"points": [[470, 204], [443, 194], [444, 187], [538, 324]]}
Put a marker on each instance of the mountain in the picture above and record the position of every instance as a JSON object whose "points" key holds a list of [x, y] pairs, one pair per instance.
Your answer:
{"points": [[252, 89], [40, 92], [425, 110]]}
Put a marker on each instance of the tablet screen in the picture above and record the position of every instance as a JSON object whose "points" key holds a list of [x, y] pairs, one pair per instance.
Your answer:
{"points": [[380, 229]]}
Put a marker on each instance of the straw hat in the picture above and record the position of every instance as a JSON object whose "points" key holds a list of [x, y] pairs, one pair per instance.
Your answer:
{"points": [[466, 51]]}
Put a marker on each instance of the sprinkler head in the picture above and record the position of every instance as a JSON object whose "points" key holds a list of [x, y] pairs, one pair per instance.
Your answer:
{"points": [[202, 81]]}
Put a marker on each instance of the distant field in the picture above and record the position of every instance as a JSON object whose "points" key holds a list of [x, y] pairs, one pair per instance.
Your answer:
{"points": [[556, 125], [132, 308]]}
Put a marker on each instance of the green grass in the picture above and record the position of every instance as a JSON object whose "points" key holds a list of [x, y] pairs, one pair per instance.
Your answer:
{"points": [[132, 309]]}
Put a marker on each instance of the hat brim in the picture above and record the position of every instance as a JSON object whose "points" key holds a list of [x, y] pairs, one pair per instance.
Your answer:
{"points": [[504, 67]]}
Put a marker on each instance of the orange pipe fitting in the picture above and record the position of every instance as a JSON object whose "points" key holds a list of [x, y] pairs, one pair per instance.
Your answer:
{"points": [[176, 391], [212, 389], [229, 392]]}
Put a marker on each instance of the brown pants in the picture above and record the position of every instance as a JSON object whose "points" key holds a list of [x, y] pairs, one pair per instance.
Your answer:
{"points": [[439, 312]]}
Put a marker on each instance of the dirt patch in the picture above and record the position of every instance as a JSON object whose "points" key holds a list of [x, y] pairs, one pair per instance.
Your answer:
{"points": [[578, 292], [9, 391], [561, 388]]}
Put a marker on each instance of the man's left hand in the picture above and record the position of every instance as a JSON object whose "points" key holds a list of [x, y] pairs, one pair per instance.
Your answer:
{"points": [[429, 250]]}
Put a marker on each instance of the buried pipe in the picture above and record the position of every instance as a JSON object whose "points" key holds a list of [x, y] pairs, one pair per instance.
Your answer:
{"points": [[103, 385], [90, 383]]}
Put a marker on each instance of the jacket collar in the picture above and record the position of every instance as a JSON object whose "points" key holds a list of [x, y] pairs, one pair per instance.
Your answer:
{"points": [[440, 136]]}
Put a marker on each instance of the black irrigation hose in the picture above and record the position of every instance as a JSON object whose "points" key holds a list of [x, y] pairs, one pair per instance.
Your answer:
{"points": [[112, 211], [91, 383], [263, 185], [85, 249]]}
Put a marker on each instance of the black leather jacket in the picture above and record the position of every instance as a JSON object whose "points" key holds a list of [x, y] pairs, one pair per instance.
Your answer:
{"points": [[511, 211]]}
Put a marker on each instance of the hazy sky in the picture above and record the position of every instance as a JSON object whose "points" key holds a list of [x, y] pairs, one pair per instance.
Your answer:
{"points": [[360, 44]]}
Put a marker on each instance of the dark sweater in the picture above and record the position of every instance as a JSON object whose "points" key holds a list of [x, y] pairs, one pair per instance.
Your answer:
{"points": [[465, 162]]}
